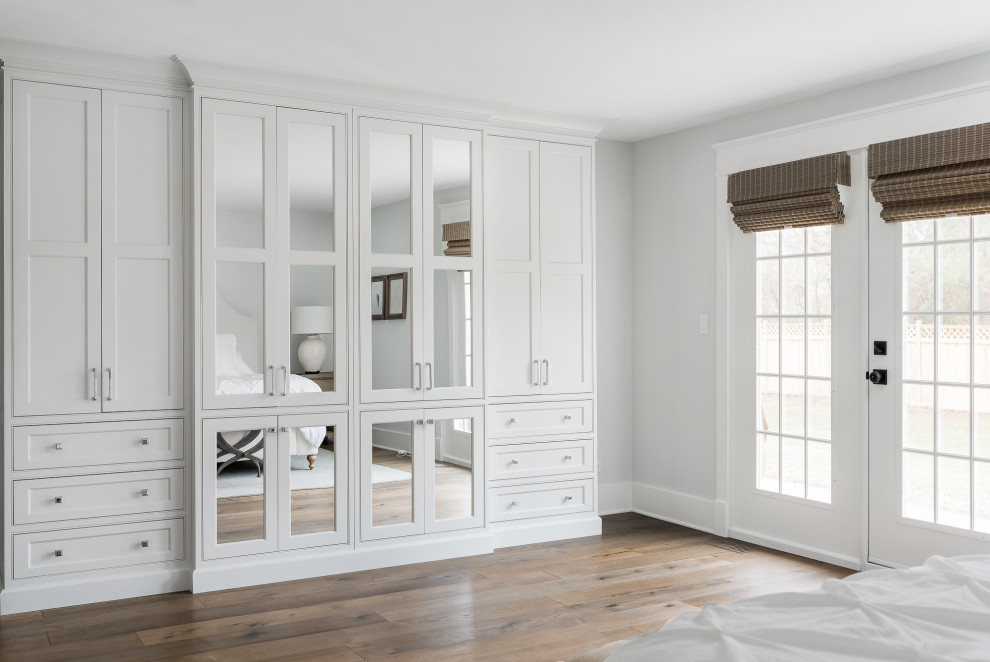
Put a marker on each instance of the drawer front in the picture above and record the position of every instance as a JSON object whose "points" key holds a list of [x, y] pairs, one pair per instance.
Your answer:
{"points": [[97, 547], [76, 497], [542, 500], [537, 419], [541, 459], [89, 444]]}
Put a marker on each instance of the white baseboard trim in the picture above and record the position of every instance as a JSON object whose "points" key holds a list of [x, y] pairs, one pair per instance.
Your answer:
{"points": [[306, 564], [800, 550], [545, 529], [687, 510], [61, 591], [614, 498]]}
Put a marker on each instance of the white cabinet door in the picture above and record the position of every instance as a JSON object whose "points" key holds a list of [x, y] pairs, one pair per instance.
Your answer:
{"points": [[142, 252], [56, 249], [565, 268], [239, 254], [512, 228]]}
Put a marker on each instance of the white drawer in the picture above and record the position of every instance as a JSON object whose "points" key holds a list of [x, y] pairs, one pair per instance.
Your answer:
{"points": [[540, 459], [89, 444], [535, 419], [541, 500], [97, 547], [76, 497]]}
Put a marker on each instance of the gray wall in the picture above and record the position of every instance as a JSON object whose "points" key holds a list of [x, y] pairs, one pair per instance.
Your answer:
{"points": [[673, 377]]}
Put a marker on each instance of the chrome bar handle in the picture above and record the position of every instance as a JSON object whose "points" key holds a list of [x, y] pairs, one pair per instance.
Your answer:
{"points": [[271, 377], [546, 380], [419, 376], [95, 386], [285, 379], [536, 364], [430, 366], [109, 385]]}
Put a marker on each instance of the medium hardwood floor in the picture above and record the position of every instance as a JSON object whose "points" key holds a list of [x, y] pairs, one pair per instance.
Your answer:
{"points": [[536, 603]]}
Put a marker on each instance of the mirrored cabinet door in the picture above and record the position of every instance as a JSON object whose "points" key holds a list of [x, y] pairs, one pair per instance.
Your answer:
{"points": [[453, 263], [240, 473], [391, 474], [312, 220], [312, 497], [454, 468], [391, 289], [239, 250]]}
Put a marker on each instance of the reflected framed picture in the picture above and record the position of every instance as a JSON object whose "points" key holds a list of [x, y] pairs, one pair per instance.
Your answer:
{"points": [[378, 294], [395, 296]]}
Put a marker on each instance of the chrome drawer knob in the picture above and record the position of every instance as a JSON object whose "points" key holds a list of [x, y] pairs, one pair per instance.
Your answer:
{"points": [[144, 543], [513, 504], [58, 499], [145, 441], [567, 417], [513, 421], [58, 446], [283, 429], [568, 457], [144, 492], [513, 461], [58, 552], [568, 498]]}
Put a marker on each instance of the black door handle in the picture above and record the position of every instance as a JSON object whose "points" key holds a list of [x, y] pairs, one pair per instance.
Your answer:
{"points": [[877, 377]]}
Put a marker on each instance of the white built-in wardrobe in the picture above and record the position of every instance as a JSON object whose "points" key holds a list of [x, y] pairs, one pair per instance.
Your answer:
{"points": [[261, 327]]}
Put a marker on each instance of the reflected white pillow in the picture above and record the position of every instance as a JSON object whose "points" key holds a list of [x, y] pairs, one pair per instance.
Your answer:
{"points": [[230, 362]]}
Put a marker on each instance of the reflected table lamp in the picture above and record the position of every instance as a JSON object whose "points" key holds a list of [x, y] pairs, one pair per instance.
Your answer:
{"points": [[311, 321]]}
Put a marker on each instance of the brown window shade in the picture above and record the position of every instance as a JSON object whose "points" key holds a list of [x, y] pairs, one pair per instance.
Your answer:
{"points": [[934, 175], [796, 194]]}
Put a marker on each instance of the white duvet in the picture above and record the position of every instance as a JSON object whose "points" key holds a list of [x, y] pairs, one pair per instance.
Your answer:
{"points": [[255, 383], [938, 611]]}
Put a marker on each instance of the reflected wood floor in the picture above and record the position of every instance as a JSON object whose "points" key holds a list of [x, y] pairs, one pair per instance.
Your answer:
{"points": [[538, 603]]}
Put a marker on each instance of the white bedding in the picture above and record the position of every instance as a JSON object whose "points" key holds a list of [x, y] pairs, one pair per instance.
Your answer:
{"points": [[255, 383], [938, 611]]}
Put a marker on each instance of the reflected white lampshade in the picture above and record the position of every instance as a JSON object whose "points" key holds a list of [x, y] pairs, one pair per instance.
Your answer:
{"points": [[311, 320]]}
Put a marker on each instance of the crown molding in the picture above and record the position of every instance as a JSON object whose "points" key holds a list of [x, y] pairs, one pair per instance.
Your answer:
{"points": [[96, 67], [542, 122]]}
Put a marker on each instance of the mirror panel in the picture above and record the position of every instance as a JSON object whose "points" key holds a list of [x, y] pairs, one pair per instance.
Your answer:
{"points": [[453, 468], [239, 181], [392, 464], [312, 479], [240, 335], [452, 328], [391, 193], [311, 194], [391, 329], [451, 197], [311, 326], [240, 494]]}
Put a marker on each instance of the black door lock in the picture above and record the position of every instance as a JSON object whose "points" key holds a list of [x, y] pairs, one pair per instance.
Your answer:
{"points": [[879, 348], [877, 377]]}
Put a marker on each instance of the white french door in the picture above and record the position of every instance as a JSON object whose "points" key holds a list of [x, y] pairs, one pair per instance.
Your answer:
{"points": [[930, 423]]}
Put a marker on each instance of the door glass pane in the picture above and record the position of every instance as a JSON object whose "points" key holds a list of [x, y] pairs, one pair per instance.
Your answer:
{"points": [[239, 181], [312, 479], [392, 330], [794, 362], [240, 496], [453, 468], [311, 326], [451, 197], [452, 328], [391, 193], [392, 473], [946, 421], [240, 337], [311, 191]]}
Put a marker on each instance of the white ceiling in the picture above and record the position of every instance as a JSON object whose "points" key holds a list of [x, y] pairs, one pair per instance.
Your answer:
{"points": [[653, 66]]}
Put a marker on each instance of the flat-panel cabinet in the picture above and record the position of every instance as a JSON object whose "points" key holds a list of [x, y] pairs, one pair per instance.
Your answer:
{"points": [[421, 247], [421, 471], [274, 483], [274, 256], [97, 250], [539, 262]]}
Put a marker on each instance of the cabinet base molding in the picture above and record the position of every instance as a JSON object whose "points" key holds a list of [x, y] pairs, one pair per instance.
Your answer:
{"points": [[306, 564], [545, 529], [68, 590]]}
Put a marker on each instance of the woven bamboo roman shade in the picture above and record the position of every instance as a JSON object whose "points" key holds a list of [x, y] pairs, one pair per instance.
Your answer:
{"points": [[795, 194], [934, 175]]}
